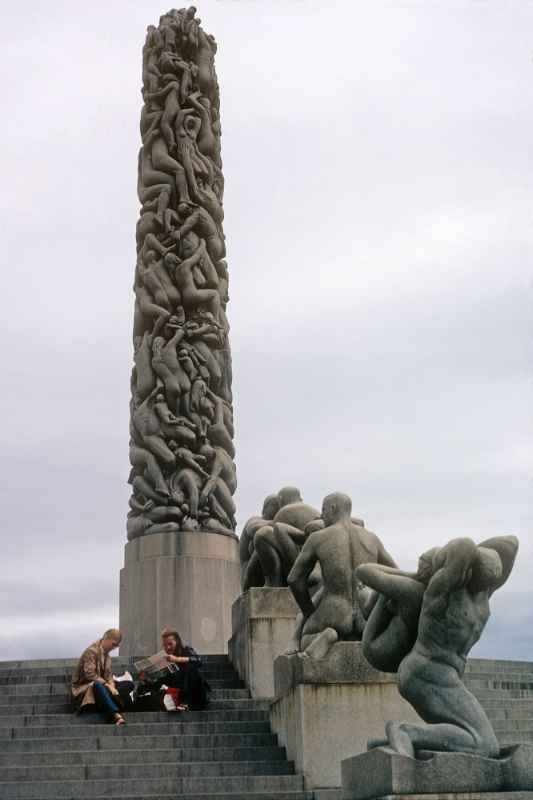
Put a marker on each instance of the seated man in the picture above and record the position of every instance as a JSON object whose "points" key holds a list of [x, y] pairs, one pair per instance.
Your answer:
{"points": [[278, 542], [251, 572], [93, 686], [339, 548]]}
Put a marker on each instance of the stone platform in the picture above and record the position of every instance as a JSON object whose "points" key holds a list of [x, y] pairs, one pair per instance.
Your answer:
{"points": [[383, 772], [183, 580], [325, 710], [263, 621]]}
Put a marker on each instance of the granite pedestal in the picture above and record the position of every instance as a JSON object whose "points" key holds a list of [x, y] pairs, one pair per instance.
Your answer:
{"points": [[383, 772], [263, 621], [184, 580], [326, 710]]}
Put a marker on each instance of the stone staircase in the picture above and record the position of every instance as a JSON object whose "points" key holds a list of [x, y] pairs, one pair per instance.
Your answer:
{"points": [[227, 751], [505, 690]]}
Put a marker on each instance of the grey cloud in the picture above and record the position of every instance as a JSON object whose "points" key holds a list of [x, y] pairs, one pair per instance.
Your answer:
{"points": [[379, 237]]}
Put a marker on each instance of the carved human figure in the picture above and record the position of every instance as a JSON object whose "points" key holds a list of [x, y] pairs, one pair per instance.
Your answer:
{"points": [[454, 609], [251, 571], [182, 474], [165, 362], [191, 295], [193, 217], [277, 544], [221, 484], [180, 429], [339, 548]]}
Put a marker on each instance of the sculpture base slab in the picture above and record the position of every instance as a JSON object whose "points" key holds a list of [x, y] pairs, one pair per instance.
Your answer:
{"points": [[183, 580], [383, 772], [263, 622], [327, 709]]}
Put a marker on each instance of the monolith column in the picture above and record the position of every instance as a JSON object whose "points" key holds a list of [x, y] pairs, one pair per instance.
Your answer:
{"points": [[181, 561]]}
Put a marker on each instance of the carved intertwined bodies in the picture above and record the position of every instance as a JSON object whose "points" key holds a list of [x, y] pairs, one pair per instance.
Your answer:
{"points": [[182, 426]]}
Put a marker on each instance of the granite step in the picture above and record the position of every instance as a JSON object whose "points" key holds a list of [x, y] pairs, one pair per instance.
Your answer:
{"points": [[255, 711], [117, 661], [249, 795], [116, 741], [40, 692], [138, 729], [63, 758], [107, 787], [53, 675], [144, 771], [499, 676], [61, 706], [488, 665]]}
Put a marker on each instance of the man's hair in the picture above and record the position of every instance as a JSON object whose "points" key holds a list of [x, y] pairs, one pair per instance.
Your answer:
{"points": [[113, 633]]}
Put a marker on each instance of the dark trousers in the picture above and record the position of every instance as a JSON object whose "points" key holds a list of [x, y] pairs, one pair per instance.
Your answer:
{"points": [[109, 704]]}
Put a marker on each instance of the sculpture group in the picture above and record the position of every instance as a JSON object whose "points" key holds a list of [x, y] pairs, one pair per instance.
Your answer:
{"points": [[181, 448], [419, 625]]}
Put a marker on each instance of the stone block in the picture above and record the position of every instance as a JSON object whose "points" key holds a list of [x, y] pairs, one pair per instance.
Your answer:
{"points": [[183, 580], [263, 621], [383, 772], [327, 709]]}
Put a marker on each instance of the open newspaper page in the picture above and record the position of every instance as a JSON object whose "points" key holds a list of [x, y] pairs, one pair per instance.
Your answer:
{"points": [[154, 666]]}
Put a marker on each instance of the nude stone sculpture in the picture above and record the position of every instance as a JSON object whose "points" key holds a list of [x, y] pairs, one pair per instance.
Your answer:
{"points": [[336, 611], [181, 450], [251, 571], [425, 624], [274, 544]]}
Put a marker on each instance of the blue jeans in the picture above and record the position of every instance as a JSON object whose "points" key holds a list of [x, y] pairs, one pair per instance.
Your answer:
{"points": [[105, 701]]}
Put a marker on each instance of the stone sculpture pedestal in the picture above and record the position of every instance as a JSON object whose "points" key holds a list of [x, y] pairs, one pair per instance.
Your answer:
{"points": [[384, 773], [327, 709], [263, 621], [183, 580]]}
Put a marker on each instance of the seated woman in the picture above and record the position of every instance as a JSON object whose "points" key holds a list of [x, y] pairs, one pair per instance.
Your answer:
{"points": [[185, 677], [93, 686]]}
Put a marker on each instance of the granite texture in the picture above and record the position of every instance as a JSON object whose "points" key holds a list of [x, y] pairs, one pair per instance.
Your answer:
{"points": [[262, 624], [383, 772], [181, 449], [186, 581], [326, 710]]}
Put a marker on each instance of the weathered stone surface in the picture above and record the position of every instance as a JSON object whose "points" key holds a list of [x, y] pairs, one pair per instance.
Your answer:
{"points": [[270, 543], [382, 772], [181, 448], [344, 663], [426, 623], [337, 610], [183, 580], [262, 624], [329, 709]]}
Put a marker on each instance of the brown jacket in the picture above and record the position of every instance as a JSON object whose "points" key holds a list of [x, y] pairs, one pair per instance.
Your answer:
{"points": [[93, 663]]}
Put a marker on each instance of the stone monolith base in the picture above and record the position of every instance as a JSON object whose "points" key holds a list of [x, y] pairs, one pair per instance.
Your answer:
{"points": [[262, 621], [183, 580], [382, 772], [326, 710]]}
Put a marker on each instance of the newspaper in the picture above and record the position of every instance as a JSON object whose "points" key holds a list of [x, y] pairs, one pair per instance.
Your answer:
{"points": [[154, 666]]}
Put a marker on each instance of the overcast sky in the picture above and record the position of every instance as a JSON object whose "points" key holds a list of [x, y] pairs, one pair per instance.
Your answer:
{"points": [[377, 158]]}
